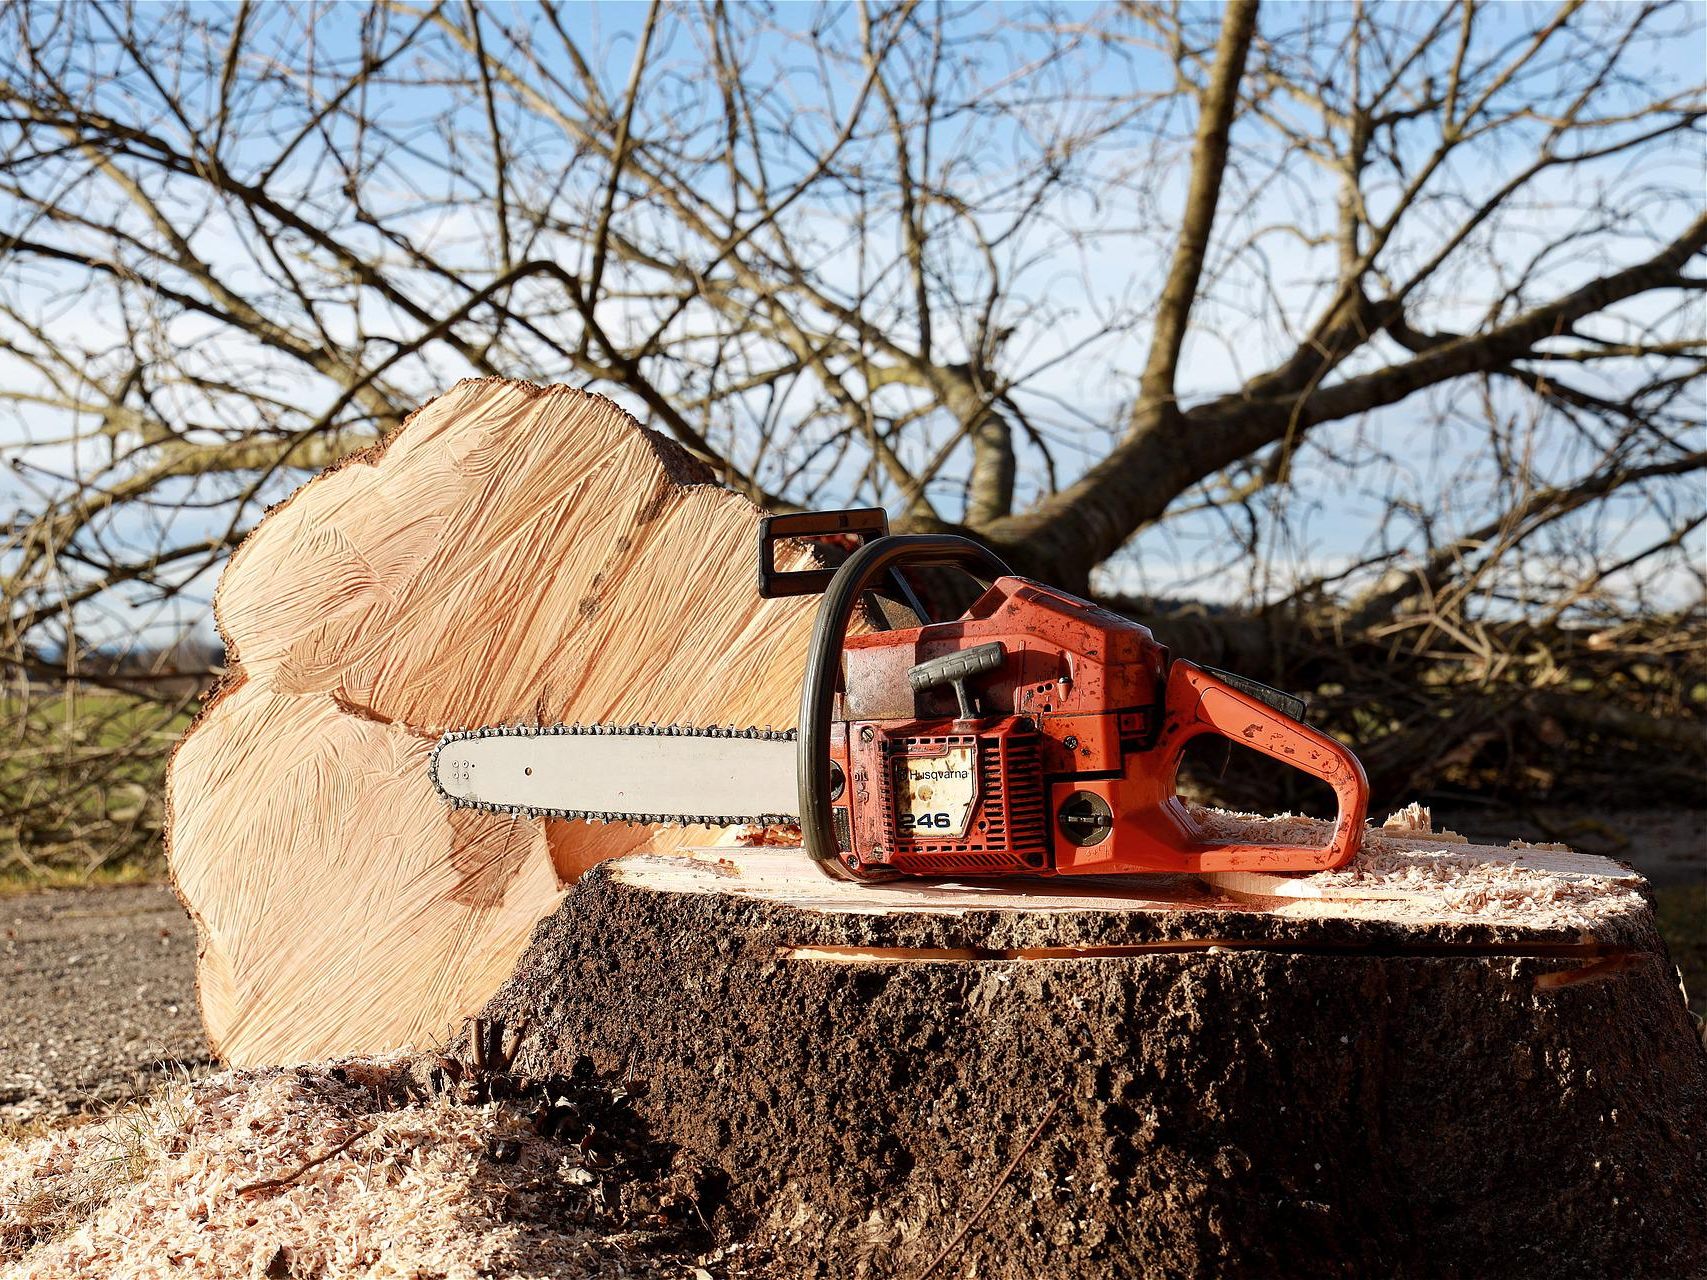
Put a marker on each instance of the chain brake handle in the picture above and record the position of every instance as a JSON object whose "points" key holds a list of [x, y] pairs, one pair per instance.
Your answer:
{"points": [[824, 667], [1199, 703], [861, 524]]}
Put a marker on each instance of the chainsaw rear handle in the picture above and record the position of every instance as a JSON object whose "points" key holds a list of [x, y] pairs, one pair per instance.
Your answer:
{"points": [[1199, 703], [824, 663]]}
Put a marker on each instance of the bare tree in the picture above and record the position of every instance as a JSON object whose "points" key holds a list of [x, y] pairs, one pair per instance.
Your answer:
{"points": [[1152, 292]]}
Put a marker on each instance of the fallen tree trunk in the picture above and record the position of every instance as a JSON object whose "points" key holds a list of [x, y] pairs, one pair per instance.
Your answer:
{"points": [[514, 553], [1443, 1060]]}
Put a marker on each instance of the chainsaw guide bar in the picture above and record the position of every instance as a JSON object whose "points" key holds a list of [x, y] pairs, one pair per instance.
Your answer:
{"points": [[650, 762]]}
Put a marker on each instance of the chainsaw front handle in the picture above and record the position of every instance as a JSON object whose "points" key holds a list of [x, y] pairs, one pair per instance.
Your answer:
{"points": [[1199, 703], [824, 669]]}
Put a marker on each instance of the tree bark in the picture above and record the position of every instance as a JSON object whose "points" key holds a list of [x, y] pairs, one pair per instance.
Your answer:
{"points": [[513, 554], [1442, 1065]]}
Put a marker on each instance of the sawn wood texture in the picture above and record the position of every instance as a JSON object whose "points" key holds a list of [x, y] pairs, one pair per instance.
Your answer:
{"points": [[513, 553]]}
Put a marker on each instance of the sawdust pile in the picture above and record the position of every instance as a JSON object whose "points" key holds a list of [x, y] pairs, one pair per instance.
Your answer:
{"points": [[1406, 859], [330, 1171], [1477, 886]]}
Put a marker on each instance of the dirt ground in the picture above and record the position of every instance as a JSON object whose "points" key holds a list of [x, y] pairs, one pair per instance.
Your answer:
{"points": [[99, 999]]}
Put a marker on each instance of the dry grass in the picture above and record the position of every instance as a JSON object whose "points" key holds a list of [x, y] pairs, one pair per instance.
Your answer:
{"points": [[15, 881], [55, 1173]]}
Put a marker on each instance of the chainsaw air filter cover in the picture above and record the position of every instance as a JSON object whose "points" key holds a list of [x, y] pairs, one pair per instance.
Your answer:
{"points": [[959, 802]]}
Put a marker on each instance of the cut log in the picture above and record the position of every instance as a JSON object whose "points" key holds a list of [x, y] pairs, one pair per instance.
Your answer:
{"points": [[512, 554], [1443, 1060]]}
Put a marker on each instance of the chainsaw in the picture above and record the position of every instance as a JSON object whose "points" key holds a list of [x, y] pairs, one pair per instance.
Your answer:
{"points": [[1036, 734]]}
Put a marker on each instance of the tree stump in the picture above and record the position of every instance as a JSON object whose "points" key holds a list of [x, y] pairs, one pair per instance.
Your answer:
{"points": [[1443, 1060], [513, 553]]}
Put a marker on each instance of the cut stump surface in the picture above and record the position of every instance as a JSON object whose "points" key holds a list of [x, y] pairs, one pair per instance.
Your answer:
{"points": [[1446, 1059]]}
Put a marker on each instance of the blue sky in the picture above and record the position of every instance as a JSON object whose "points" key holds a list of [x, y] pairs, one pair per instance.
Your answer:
{"points": [[1116, 264]]}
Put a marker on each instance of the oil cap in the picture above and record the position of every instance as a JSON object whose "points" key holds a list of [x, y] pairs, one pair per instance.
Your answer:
{"points": [[1085, 819]]}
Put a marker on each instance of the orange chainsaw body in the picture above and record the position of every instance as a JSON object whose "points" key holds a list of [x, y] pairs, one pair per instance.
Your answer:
{"points": [[1066, 764]]}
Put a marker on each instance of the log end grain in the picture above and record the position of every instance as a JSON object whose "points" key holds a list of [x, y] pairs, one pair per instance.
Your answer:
{"points": [[513, 553]]}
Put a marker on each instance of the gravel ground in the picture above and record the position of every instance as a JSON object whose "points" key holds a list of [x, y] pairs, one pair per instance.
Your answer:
{"points": [[100, 998], [100, 983]]}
